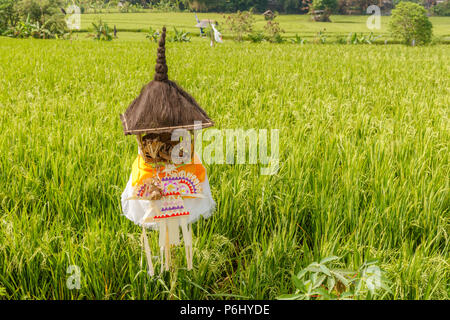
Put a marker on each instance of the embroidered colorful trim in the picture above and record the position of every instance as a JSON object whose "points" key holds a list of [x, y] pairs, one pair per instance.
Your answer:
{"points": [[176, 185], [144, 191], [164, 216], [182, 182], [172, 206]]}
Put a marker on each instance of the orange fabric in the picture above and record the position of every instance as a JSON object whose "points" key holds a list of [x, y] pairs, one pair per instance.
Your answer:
{"points": [[141, 170]]}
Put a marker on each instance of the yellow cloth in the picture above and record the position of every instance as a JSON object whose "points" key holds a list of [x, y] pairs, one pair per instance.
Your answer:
{"points": [[141, 170]]}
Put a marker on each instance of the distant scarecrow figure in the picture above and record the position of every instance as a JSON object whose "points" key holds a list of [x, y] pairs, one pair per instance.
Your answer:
{"points": [[162, 193], [198, 21], [269, 15], [216, 36]]}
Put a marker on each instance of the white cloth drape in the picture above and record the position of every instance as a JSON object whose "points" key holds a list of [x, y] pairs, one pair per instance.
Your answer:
{"points": [[135, 210]]}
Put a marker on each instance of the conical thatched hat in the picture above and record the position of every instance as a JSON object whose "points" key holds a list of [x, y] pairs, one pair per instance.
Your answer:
{"points": [[162, 106]]}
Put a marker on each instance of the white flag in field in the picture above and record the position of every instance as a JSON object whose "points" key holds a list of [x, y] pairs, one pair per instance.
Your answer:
{"points": [[217, 34]]}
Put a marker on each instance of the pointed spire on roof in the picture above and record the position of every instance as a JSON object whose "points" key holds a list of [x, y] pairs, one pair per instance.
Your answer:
{"points": [[161, 65], [163, 106]]}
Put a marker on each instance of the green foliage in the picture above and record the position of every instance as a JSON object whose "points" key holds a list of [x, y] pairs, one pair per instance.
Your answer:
{"points": [[22, 29], [102, 32], [228, 6], [27, 29], [9, 15], [328, 5], [179, 36], [273, 31], [257, 36], [321, 281], [322, 9], [152, 35], [298, 39], [124, 7], [340, 39], [442, 9], [353, 38], [286, 6], [291, 6], [166, 6], [320, 37], [240, 23], [43, 14], [409, 22], [40, 10]]}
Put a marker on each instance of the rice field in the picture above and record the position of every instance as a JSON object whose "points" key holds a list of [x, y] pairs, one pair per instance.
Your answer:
{"points": [[364, 167], [135, 25]]}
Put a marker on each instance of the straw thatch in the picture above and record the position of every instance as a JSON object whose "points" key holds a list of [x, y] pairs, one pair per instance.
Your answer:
{"points": [[157, 147], [162, 106], [269, 15]]}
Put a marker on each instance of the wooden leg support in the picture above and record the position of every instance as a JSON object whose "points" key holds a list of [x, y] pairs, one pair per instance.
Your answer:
{"points": [[148, 253], [187, 237]]}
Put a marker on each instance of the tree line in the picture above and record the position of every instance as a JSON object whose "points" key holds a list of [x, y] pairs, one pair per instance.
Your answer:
{"points": [[439, 7]]}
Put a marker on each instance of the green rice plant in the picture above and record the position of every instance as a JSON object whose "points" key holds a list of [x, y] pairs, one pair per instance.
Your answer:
{"points": [[364, 165]]}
